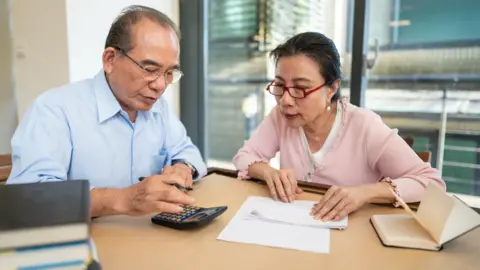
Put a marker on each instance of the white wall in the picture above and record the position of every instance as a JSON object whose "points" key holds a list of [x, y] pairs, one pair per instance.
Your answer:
{"points": [[8, 113], [88, 22], [54, 42], [60, 41], [40, 48]]}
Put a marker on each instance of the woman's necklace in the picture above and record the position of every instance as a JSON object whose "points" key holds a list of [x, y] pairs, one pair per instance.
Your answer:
{"points": [[323, 137]]}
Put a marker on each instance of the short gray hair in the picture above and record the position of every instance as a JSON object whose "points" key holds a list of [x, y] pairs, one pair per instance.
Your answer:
{"points": [[119, 35]]}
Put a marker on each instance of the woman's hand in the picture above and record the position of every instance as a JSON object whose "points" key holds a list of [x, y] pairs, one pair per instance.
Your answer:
{"points": [[282, 184], [338, 202]]}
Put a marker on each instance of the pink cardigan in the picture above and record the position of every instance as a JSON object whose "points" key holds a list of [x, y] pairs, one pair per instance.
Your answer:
{"points": [[364, 151]]}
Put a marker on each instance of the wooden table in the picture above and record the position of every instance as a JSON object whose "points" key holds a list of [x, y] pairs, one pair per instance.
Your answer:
{"points": [[135, 243]]}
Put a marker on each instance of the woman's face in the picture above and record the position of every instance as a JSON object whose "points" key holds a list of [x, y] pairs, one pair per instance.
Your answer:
{"points": [[303, 73]]}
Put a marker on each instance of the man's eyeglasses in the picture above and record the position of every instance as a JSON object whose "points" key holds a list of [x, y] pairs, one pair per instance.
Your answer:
{"points": [[151, 73], [278, 89]]}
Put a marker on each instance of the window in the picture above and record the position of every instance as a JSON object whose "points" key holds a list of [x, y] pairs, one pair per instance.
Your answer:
{"points": [[241, 33], [427, 81]]}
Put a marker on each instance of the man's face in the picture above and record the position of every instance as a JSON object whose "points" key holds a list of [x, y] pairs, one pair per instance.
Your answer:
{"points": [[156, 49]]}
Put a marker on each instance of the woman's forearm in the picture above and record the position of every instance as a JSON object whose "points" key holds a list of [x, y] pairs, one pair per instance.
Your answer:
{"points": [[380, 192], [259, 170]]}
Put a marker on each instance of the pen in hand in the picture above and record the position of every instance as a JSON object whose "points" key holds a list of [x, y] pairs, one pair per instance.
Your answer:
{"points": [[184, 188]]}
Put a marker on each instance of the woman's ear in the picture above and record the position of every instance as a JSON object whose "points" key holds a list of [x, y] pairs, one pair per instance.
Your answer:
{"points": [[332, 90]]}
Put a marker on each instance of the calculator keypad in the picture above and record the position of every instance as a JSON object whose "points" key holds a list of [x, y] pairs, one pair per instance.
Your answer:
{"points": [[187, 212]]}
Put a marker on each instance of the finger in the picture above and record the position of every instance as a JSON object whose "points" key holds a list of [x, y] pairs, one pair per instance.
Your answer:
{"points": [[279, 188], [171, 179], [167, 170], [293, 179], [189, 181], [174, 195], [183, 174], [293, 184], [287, 186], [271, 187], [298, 190], [330, 192], [186, 174], [330, 204], [333, 213], [349, 208], [167, 207]]}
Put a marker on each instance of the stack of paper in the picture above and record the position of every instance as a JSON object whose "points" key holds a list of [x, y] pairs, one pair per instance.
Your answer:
{"points": [[263, 221]]}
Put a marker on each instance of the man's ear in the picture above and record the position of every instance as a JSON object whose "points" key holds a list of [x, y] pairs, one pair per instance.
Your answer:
{"points": [[108, 58]]}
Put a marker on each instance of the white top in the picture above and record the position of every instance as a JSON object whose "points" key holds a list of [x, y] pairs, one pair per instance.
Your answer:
{"points": [[318, 156]]}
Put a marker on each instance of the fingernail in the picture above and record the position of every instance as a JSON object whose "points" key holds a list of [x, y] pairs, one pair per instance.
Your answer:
{"points": [[337, 218]]}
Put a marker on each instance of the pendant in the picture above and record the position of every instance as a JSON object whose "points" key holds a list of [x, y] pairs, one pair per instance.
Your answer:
{"points": [[308, 178]]}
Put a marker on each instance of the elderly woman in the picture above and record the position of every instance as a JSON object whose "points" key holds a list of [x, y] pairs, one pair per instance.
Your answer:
{"points": [[324, 139]]}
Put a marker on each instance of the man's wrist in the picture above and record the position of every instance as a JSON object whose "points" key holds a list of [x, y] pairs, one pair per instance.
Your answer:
{"points": [[183, 165], [109, 201], [123, 201], [186, 164]]}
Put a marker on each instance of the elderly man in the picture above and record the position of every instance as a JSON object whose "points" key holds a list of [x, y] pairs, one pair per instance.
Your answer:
{"points": [[115, 129]]}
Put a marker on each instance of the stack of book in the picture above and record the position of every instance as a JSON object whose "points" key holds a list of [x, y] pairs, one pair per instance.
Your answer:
{"points": [[45, 225]]}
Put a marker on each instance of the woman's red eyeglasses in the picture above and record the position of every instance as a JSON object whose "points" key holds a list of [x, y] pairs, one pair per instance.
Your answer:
{"points": [[278, 90]]}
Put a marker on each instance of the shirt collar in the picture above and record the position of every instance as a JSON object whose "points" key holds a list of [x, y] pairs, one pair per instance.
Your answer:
{"points": [[157, 107], [107, 103]]}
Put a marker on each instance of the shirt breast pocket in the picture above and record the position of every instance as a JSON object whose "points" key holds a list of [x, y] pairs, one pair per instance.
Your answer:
{"points": [[158, 162]]}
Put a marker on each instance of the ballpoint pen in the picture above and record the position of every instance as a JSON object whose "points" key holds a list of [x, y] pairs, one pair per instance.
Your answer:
{"points": [[184, 188]]}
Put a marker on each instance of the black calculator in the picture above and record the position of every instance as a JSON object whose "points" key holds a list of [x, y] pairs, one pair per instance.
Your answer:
{"points": [[190, 217]]}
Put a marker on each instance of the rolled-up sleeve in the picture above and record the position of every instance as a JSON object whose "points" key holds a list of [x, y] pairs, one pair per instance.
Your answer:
{"points": [[261, 147], [41, 145], [180, 146]]}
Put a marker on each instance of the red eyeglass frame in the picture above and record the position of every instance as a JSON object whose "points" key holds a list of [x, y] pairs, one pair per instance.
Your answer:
{"points": [[286, 88]]}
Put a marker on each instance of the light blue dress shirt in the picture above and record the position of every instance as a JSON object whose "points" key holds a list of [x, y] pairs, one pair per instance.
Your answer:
{"points": [[79, 131]]}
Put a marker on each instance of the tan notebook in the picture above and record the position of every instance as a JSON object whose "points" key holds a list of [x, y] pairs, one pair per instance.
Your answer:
{"points": [[440, 218]]}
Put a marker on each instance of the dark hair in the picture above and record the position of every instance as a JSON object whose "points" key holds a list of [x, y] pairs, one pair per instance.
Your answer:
{"points": [[120, 31], [317, 47]]}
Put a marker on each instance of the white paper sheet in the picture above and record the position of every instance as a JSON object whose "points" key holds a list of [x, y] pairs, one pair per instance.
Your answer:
{"points": [[247, 228], [296, 213]]}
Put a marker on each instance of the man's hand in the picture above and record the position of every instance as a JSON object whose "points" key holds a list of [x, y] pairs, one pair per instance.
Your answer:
{"points": [[338, 202], [181, 170], [154, 194]]}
